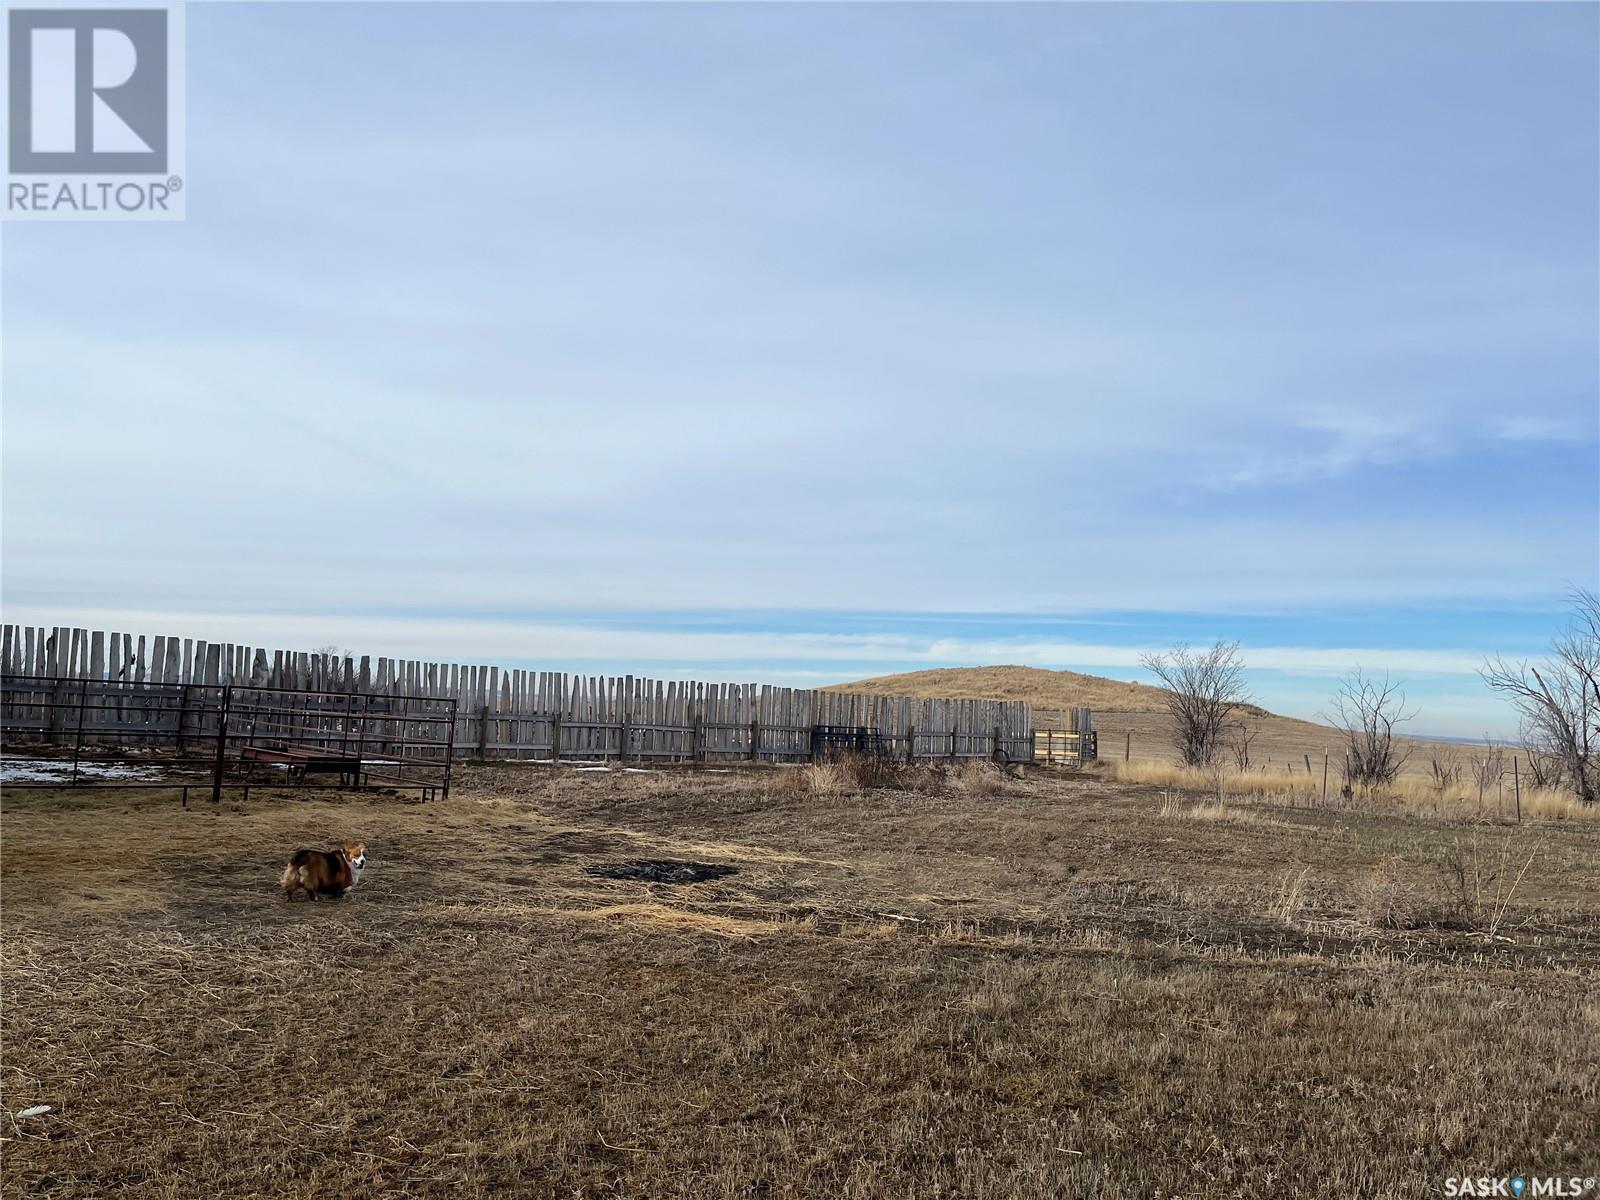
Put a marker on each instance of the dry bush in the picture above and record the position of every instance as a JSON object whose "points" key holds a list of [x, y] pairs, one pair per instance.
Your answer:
{"points": [[1479, 884], [830, 778], [1388, 897], [871, 772], [854, 773], [978, 778]]}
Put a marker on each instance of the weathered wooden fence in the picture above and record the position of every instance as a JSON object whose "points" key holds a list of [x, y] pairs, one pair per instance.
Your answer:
{"points": [[544, 714]]}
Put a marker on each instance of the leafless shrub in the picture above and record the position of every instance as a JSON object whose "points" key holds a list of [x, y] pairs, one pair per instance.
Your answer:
{"points": [[1202, 690], [1544, 766], [1559, 699], [1240, 736], [1486, 768], [1444, 775], [1479, 887], [1367, 710]]}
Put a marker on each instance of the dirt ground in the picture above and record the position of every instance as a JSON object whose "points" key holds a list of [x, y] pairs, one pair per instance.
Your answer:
{"points": [[958, 985]]}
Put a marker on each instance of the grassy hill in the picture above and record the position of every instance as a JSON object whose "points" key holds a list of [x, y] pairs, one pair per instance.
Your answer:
{"points": [[1044, 689], [1130, 717]]}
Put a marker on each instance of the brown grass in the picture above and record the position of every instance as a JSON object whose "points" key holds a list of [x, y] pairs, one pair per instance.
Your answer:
{"points": [[1410, 793], [954, 986]]}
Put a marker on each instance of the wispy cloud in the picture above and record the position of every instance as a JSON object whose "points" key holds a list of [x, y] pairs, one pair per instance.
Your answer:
{"points": [[829, 308], [510, 641]]}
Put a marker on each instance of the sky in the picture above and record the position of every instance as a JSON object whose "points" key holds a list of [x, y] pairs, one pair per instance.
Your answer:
{"points": [[799, 343]]}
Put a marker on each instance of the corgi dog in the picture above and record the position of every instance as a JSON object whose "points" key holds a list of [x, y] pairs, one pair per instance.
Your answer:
{"points": [[324, 872]]}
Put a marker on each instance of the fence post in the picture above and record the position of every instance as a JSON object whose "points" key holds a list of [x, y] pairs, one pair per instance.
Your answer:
{"points": [[1324, 778], [222, 745], [183, 711], [361, 733], [994, 752], [449, 749], [911, 744], [755, 740], [1516, 782], [1127, 745], [625, 698], [483, 733], [77, 744], [555, 737]]}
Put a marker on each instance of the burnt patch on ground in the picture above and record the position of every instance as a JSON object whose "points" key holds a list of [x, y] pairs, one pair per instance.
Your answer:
{"points": [[661, 870]]}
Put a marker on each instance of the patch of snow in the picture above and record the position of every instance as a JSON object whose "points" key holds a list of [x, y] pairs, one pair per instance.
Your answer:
{"points": [[55, 770]]}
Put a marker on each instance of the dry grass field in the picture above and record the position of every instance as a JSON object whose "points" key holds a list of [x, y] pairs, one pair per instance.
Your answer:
{"points": [[917, 984], [1132, 717]]}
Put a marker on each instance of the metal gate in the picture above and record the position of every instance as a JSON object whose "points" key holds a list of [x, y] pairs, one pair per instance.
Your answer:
{"points": [[75, 733]]}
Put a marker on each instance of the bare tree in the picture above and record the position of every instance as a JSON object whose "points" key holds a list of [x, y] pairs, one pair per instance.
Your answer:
{"points": [[1559, 698], [1202, 690], [1240, 736], [1367, 709]]}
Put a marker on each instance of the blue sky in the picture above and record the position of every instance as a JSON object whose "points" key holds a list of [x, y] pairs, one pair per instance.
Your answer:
{"points": [[799, 343]]}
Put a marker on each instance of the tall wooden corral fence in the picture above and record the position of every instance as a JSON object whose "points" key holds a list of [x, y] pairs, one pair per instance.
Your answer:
{"points": [[510, 713]]}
